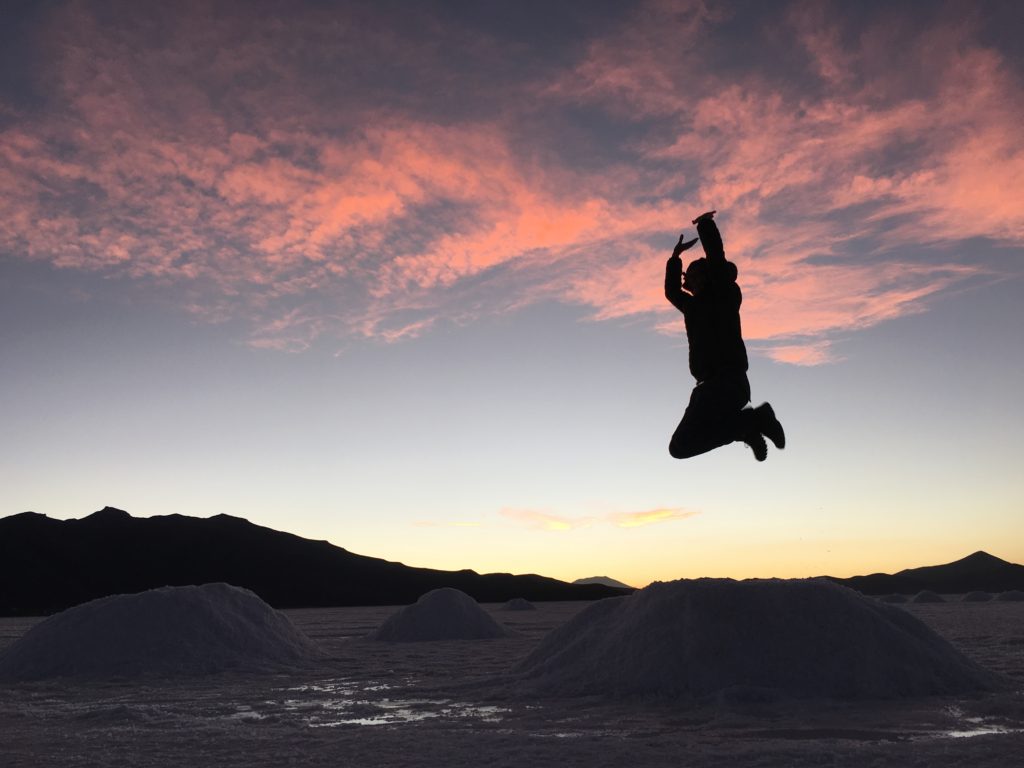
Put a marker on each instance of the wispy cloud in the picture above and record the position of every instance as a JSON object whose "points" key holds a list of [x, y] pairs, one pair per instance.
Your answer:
{"points": [[545, 521], [811, 353], [268, 170], [829, 191], [649, 517]]}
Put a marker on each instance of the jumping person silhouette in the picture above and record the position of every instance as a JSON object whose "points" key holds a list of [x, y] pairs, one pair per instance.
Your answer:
{"points": [[719, 412]]}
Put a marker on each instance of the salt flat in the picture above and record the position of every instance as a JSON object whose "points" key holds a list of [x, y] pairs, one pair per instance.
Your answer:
{"points": [[448, 703]]}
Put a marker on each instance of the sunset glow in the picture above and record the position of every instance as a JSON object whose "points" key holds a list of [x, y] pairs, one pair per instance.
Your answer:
{"points": [[391, 275]]}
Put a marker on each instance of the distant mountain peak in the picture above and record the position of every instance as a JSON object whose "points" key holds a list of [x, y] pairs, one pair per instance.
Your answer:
{"points": [[28, 518], [109, 513], [605, 580], [976, 562], [982, 557], [226, 516], [979, 571]]}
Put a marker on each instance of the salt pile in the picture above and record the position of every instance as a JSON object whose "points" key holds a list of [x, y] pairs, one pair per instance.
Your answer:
{"points": [[893, 598], [519, 604], [927, 596], [803, 638], [1011, 596], [171, 631], [977, 597], [442, 614]]}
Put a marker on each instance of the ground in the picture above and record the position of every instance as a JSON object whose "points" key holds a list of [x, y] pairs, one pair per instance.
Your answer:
{"points": [[452, 704]]}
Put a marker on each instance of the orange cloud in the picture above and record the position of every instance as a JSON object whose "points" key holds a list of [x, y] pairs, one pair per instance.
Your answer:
{"points": [[545, 521], [649, 517]]}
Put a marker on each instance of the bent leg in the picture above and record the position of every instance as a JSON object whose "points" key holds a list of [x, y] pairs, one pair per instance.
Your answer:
{"points": [[714, 417], [769, 425], [694, 437]]}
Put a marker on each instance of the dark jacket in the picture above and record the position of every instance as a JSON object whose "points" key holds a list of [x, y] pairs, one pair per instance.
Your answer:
{"points": [[712, 319]]}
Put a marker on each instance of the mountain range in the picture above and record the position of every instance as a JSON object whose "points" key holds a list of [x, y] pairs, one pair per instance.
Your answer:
{"points": [[979, 571], [47, 565]]}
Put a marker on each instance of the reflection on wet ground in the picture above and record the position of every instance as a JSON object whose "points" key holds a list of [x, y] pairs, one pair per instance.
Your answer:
{"points": [[332, 703], [349, 702], [323, 703], [981, 730], [971, 726]]}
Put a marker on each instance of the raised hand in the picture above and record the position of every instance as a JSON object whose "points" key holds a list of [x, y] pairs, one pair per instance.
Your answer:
{"points": [[683, 245]]}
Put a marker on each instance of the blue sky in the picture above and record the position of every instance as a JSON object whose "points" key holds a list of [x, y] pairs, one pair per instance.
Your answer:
{"points": [[394, 279]]}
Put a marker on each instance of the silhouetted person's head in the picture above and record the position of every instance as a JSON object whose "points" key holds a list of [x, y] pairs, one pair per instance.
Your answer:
{"points": [[695, 279]]}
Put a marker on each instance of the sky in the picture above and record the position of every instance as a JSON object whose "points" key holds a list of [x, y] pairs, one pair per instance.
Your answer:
{"points": [[389, 274]]}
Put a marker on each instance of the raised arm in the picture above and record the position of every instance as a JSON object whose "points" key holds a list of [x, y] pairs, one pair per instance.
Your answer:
{"points": [[710, 238], [674, 276]]}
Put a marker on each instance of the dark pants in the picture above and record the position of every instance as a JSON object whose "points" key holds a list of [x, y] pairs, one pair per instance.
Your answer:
{"points": [[715, 416]]}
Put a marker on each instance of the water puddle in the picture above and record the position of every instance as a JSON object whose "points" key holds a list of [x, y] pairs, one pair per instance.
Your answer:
{"points": [[395, 711], [245, 713], [981, 730], [333, 703], [972, 727]]}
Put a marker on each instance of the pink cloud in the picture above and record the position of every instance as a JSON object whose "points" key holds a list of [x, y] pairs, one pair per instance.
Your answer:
{"points": [[308, 216], [815, 353], [641, 68], [755, 143]]}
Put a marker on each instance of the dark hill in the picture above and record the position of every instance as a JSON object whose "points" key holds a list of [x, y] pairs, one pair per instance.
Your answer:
{"points": [[47, 565], [980, 571], [608, 581]]}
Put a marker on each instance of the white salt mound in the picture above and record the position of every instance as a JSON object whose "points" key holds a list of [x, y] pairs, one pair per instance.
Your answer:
{"points": [[171, 631], [893, 598], [694, 639], [441, 614], [977, 597], [1011, 596], [519, 604], [927, 596]]}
